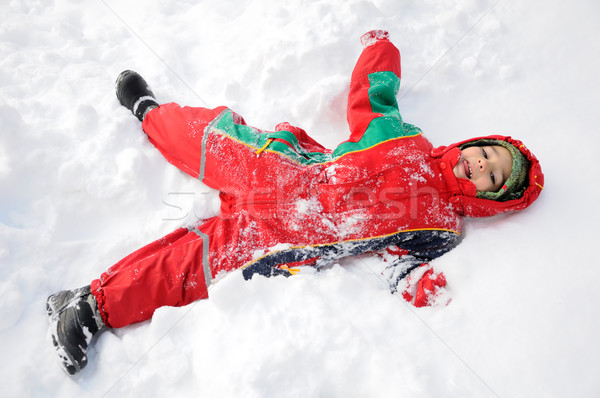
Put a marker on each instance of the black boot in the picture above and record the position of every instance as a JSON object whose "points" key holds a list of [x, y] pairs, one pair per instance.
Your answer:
{"points": [[133, 93], [75, 319]]}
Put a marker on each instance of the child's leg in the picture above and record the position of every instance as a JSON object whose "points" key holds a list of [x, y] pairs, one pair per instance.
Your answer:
{"points": [[224, 162], [177, 133], [167, 272]]}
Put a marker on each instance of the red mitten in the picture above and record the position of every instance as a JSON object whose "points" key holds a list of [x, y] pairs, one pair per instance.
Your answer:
{"points": [[424, 287]]}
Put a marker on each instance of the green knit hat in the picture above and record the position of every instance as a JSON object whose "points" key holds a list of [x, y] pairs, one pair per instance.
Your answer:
{"points": [[517, 182]]}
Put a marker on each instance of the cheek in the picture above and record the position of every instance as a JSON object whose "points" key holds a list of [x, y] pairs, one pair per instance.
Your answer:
{"points": [[481, 184], [456, 171]]}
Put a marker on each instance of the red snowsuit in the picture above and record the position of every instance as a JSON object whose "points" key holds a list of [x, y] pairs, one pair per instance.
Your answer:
{"points": [[287, 201]]}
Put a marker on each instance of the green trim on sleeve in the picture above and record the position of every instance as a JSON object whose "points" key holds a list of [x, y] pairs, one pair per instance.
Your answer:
{"points": [[382, 93], [382, 96]]}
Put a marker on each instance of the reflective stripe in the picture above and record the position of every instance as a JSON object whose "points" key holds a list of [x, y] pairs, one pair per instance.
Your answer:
{"points": [[205, 263]]}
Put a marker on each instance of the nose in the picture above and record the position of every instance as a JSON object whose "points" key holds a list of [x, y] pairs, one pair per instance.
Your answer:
{"points": [[482, 163]]}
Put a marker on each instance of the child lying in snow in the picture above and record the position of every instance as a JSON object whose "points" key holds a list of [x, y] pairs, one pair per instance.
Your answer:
{"points": [[385, 189]]}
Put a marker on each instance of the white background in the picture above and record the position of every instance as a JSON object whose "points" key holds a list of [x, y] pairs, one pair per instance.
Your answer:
{"points": [[81, 187]]}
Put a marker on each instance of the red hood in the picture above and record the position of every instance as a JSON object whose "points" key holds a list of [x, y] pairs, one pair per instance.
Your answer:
{"points": [[466, 202]]}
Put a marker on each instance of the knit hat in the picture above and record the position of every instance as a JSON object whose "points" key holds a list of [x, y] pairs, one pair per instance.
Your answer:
{"points": [[516, 183]]}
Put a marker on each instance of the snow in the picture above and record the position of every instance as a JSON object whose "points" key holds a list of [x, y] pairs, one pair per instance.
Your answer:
{"points": [[81, 187]]}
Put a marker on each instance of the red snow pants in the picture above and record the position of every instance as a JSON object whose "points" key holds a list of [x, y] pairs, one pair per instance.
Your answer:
{"points": [[170, 270], [178, 268]]}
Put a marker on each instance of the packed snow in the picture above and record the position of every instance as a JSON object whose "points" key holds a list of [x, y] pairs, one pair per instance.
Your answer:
{"points": [[81, 187]]}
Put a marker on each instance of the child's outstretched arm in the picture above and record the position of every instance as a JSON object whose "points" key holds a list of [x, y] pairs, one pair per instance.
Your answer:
{"points": [[374, 84]]}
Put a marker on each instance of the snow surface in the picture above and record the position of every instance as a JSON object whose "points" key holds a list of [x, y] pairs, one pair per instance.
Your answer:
{"points": [[81, 187]]}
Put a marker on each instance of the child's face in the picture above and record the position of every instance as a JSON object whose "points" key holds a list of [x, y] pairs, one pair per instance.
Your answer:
{"points": [[488, 167]]}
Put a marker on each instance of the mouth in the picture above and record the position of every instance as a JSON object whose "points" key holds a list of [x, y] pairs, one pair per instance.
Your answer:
{"points": [[467, 168]]}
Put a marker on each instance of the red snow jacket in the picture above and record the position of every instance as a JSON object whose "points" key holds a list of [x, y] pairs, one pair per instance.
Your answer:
{"points": [[287, 201], [386, 186]]}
